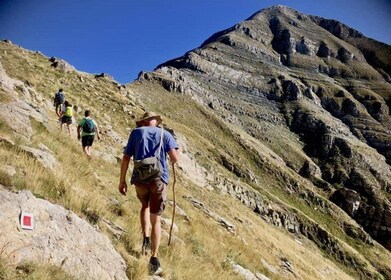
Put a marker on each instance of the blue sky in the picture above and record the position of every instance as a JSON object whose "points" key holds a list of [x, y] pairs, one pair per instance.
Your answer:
{"points": [[124, 37]]}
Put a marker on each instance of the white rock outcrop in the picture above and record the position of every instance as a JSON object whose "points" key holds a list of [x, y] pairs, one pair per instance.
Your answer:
{"points": [[43, 155], [59, 237], [246, 273], [16, 113]]}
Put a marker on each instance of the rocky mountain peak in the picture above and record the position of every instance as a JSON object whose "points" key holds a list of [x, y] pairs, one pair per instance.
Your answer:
{"points": [[328, 82], [292, 32], [275, 10]]}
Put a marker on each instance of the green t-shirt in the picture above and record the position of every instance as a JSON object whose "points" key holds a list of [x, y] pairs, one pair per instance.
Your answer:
{"points": [[81, 123]]}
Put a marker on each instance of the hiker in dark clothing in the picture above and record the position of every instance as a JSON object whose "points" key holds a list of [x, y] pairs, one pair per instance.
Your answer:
{"points": [[89, 129], [59, 98], [145, 142]]}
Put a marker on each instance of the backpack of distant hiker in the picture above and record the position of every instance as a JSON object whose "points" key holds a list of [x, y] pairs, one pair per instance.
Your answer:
{"points": [[59, 98], [68, 111], [88, 126], [150, 168], [62, 108]]}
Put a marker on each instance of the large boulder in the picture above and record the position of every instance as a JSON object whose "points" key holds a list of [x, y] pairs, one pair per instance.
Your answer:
{"points": [[61, 64], [43, 155], [59, 237], [349, 200], [291, 90], [324, 50]]}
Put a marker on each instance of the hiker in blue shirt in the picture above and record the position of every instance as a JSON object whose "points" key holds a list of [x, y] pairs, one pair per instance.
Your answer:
{"points": [[151, 143]]}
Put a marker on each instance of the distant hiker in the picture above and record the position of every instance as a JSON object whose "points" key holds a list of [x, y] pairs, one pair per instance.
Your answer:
{"points": [[66, 116], [89, 130], [148, 145], [59, 98]]}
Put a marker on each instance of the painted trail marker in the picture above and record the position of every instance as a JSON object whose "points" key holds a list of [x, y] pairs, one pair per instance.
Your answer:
{"points": [[26, 220]]}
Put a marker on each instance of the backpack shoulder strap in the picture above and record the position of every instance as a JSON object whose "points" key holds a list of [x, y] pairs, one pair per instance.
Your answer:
{"points": [[161, 142]]}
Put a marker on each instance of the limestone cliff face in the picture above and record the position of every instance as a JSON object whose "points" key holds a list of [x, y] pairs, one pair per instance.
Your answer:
{"points": [[280, 72]]}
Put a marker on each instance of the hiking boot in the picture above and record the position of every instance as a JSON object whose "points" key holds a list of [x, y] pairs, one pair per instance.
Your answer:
{"points": [[154, 266], [146, 248]]}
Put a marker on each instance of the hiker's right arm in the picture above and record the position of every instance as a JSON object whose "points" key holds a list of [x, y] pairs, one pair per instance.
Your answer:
{"points": [[173, 154], [97, 132], [78, 132], [123, 187]]}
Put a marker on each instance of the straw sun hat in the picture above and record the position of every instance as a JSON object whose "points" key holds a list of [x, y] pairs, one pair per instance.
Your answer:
{"points": [[148, 116]]}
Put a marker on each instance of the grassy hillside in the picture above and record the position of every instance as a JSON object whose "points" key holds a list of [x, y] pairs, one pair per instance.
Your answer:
{"points": [[225, 154]]}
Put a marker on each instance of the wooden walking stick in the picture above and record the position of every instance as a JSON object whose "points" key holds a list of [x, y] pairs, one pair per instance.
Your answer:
{"points": [[173, 210]]}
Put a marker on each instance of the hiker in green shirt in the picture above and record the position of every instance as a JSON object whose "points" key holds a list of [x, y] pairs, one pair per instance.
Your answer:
{"points": [[89, 128]]}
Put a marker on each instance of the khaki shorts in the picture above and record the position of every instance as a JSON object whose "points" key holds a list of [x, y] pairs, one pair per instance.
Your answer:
{"points": [[154, 194]]}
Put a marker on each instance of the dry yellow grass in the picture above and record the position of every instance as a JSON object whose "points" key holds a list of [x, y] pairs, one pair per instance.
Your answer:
{"points": [[29, 270], [202, 257]]}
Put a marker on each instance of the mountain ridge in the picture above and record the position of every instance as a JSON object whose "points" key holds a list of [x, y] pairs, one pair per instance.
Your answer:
{"points": [[202, 61]]}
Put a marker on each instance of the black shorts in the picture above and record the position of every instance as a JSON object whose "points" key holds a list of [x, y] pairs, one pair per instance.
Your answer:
{"points": [[67, 120], [87, 140], [56, 104]]}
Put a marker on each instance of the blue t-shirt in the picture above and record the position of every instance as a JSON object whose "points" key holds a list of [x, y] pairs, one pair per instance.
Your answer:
{"points": [[144, 142]]}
